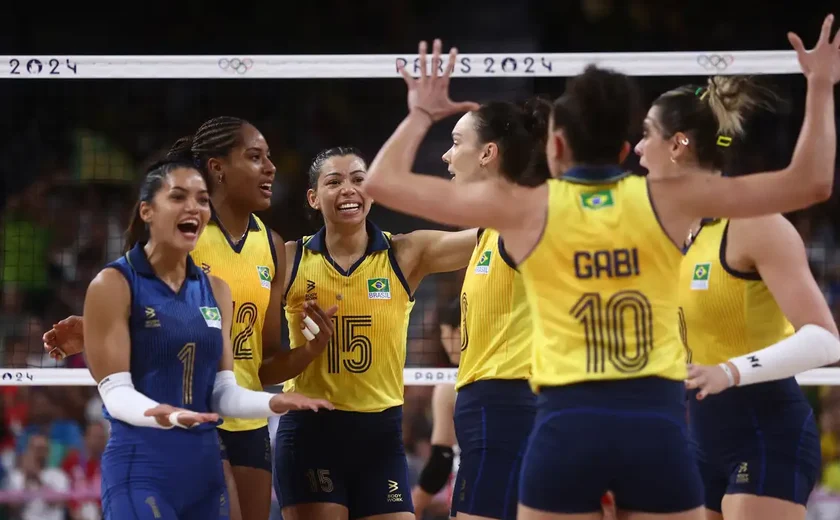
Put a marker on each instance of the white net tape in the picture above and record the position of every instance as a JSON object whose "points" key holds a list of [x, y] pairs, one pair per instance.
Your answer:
{"points": [[413, 376], [495, 65]]}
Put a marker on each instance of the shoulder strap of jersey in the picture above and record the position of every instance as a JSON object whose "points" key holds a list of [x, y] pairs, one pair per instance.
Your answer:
{"points": [[395, 266], [295, 265], [270, 238]]}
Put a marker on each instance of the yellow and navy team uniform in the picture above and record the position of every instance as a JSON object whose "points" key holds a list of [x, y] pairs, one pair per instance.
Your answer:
{"points": [[176, 347], [759, 439], [249, 268], [354, 455], [608, 363], [495, 408]]}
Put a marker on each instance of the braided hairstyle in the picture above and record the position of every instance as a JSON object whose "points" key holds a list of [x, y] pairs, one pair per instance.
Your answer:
{"points": [[214, 138]]}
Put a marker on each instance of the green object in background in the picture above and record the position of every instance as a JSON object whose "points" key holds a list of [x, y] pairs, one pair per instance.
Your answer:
{"points": [[95, 159], [831, 477], [24, 254]]}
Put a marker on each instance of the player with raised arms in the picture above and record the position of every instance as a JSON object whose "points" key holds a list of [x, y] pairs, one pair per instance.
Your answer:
{"points": [[597, 250], [350, 463], [237, 246], [495, 408], [157, 332], [744, 284]]}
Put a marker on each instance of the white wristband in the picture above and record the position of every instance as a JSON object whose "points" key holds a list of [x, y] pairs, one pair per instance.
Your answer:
{"points": [[729, 374]]}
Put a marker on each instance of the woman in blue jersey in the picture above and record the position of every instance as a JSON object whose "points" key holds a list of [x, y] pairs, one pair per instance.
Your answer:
{"points": [[611, 415], [235, 160], [157, 337], [753, 319]]}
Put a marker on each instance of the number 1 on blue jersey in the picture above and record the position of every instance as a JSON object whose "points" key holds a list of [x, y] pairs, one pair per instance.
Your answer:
{"points": [[187, 357]]}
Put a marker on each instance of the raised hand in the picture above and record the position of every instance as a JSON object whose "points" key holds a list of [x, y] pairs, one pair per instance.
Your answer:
{"points": [[429, 94], [65, 338], [163, 414], [823, 61], [286, 402]]}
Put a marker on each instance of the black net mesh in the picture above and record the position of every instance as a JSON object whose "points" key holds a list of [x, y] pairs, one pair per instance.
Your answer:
{"points": [[72, 151]]}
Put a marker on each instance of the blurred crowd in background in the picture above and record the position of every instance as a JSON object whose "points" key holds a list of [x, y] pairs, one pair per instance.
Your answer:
{"points": [[71, 152]]}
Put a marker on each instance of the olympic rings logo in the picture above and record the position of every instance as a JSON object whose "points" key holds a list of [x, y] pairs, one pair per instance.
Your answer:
{"points": [[236, 65], [715, 61]]}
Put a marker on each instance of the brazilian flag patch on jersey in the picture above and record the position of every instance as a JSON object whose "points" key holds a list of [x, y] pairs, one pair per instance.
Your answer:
{"points": [[379, 289], [597, 200], [700, 276], [212, 316], [483, 266], [265, 276]]}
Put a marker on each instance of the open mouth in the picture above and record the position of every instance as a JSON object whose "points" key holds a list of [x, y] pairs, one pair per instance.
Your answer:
{"points": [[349, 208], [265, 188], [189, 228]]}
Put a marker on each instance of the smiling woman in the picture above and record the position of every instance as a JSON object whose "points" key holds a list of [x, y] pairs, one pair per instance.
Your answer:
{"points": [[374, 275]]}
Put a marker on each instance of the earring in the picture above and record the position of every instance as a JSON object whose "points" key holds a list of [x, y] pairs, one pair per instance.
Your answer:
{"points": [[673, 160], [221, 176], [684, 141]]}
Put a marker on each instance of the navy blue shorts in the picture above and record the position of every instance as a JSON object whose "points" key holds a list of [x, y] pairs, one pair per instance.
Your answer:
{"points": [[163, 475], [247, 448], [626, 436], [349, 458], [759, 440], [493, 420]]}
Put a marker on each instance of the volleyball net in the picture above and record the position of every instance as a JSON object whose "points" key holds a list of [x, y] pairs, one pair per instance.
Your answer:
{"points": [[78, 131]]}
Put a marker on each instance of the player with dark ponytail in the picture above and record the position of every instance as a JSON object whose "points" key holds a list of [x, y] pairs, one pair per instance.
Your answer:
{"points": [[159, 347], [235, 161]]}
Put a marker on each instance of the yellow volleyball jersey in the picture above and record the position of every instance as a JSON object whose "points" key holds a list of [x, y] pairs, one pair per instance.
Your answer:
{"points": [[600, 284], [724, 313], [495, 319], [249, 268], [362, 367]]}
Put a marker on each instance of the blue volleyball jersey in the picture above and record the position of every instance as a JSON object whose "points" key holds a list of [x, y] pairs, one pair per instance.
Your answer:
{"points": [[176, 338]]}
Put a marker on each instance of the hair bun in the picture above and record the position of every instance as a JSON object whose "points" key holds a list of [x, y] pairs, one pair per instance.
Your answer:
{"points": [[536, 113], [181, 150]]}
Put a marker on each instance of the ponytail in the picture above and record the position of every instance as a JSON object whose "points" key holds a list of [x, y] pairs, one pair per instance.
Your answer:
{"points": [[713, 116], [731, 98], [137, 231], [537, 112]]}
